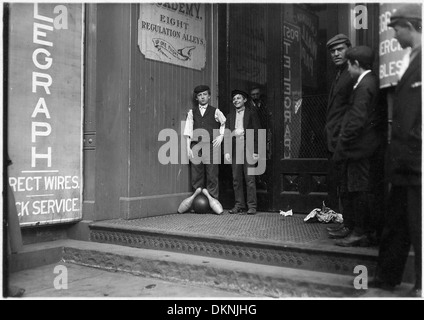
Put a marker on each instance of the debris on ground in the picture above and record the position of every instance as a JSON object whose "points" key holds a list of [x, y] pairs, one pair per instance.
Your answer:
{"points": [[325, 215]]}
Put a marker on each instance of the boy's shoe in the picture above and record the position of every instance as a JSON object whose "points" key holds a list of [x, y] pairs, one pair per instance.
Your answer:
{"points": [[335, 228], [236, 210], [251, 211], [353, 240], [342, 233]]}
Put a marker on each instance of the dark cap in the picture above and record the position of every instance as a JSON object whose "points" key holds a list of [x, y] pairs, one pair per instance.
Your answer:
{"points": [[337, 39], [410, 11], [234, 92], [363, 54], [201, 88]]}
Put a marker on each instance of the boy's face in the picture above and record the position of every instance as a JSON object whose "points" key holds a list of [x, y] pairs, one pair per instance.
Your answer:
{"points": [[203, 97], [403, 35], [239, 100], [353, 69], [338, 53], [255, 94]]}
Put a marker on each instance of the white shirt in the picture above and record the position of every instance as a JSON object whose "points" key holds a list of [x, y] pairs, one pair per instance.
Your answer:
{"points": [[360, 78], [239, 129], [219, 117], [405, 64]]}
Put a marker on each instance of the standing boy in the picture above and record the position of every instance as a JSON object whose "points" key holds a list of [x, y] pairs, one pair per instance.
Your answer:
{"points": [[204, 132], [403, 222], [338, 99], [359, 139], [241, 120]]}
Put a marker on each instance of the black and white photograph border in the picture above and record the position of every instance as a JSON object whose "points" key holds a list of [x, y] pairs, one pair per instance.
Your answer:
{"points": [[227, 153]]}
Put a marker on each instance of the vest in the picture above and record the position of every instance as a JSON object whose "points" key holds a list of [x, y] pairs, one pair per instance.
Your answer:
{"points": [[207, 122]]}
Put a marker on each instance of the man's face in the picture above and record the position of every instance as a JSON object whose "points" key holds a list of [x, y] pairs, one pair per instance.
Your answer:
{"points": [[338, 53], [403, 36], [203, 97], [255, 94], [239, 100], [353, 69]]}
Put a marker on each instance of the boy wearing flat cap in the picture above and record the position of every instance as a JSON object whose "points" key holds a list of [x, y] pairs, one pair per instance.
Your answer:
{"points": [[403, 224], [240, 120], [204, 130], [359, 139], [338, 100]]}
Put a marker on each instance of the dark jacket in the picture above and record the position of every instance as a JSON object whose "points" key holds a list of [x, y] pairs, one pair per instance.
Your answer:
{"points": [[405, 147], [361, 129], [250, 121], [338, 101]]}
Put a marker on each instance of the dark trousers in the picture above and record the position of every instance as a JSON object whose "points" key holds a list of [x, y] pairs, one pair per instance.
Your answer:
{"points": [[240, 172], [333, 184], [206, 173], [354, 187], [401, 229]]}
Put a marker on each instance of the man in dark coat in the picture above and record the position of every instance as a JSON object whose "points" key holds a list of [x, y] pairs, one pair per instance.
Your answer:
{"points": [[403, 221], [338, 100], [359, 139], [241, 122]]}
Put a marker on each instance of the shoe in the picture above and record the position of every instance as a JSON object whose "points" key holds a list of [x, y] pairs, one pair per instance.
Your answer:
{"points": [[251, 211], [335, 228], [342, 233], [380, 284], [353, 240], [236, 210]]}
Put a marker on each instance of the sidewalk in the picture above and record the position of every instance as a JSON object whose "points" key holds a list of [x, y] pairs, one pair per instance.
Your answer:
{"points": [[83, 282]]}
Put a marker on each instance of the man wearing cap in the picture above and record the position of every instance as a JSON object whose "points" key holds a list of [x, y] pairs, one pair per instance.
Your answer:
{"points": [[403, 221], [359, 139], [204, 132], [338, 100], [239, 152]]}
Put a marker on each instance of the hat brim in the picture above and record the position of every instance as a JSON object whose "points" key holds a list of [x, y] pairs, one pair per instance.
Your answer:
{"points": [[335, 43]]}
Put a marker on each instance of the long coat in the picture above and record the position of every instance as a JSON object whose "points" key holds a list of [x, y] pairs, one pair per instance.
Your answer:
{"points": [[338, 101], [361, 129], [405, 148]]}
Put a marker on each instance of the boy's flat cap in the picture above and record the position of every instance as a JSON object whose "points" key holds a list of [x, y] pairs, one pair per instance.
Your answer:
{"points": [[363, 54], [337, 39], [410, 11], [201, 88], [236, 91]]}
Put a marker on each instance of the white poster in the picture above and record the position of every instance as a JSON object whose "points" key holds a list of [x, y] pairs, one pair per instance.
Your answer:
{"points": [[390, 52], [45, 111], [173, 33]]}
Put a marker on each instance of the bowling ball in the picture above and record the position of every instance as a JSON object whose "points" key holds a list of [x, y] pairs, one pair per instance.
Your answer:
{"points": [[201, 204]]}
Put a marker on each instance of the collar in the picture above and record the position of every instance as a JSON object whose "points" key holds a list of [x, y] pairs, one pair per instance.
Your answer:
{"points": [[360, 78], [414, 52], [240, 109], [203, 107]]}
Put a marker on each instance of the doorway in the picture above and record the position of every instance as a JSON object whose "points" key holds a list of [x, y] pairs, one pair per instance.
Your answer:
{"points": [[280, 48]]}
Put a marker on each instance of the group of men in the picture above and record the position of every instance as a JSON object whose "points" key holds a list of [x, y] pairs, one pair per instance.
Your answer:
{"points": [[355, 132]]}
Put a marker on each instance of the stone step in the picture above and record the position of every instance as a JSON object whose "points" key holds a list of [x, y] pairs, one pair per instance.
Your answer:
{"points": [[305, 250], [249, 279]]}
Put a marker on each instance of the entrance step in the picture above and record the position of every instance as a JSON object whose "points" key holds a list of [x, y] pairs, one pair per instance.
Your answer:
{"points": [[265, 239], [249, 279]]}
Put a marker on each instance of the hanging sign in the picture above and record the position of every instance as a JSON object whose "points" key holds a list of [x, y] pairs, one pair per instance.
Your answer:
{"points": [[45, 111], [173, 33], [390, 52], [292, 90]]}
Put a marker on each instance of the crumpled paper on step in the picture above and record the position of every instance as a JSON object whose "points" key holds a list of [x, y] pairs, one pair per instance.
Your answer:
{"points": [[286, 213], [325, 215]]}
